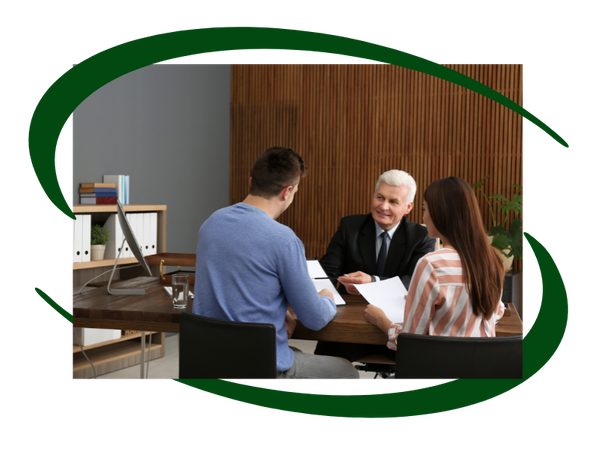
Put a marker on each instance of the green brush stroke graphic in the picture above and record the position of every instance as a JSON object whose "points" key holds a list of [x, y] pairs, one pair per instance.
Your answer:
{"points": [[63, 97], [52, 303]]}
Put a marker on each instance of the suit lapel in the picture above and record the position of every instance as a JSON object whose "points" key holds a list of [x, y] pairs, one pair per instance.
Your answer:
{"points": [[366, 245]]}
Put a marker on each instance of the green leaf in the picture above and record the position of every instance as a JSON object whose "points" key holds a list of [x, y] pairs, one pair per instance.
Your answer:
{"points": [[501, 242], [480, 183], [99, 236], [516, 234], [516, 224], [495, 231]]}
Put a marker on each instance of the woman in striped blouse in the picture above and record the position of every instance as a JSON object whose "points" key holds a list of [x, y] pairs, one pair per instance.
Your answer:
{"points": [[455, 291]]}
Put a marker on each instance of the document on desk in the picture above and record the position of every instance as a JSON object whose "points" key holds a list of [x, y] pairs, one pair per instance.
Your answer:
{"points": [[314, 269], [325, 283], [387, 295], [321, 280]]}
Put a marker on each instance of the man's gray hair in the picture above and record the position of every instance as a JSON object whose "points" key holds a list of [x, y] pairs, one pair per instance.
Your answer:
{"points": [[399, 178]]}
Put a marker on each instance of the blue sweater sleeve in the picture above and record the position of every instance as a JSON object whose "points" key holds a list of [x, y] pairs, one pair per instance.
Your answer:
{"points": [[313, 310]]}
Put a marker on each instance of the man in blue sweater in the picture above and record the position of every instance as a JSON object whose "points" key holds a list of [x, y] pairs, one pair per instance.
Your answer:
{"points": [[249, 267]]}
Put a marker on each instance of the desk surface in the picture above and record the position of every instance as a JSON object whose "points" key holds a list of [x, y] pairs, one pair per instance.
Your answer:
{"points": [[154, 311], [350, 325]]}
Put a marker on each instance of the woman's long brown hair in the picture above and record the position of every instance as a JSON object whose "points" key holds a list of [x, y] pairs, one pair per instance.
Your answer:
{"points": [[453, 208]]}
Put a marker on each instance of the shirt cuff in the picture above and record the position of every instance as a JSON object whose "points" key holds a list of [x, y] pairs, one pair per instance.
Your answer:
{"points": [[393, 333]]}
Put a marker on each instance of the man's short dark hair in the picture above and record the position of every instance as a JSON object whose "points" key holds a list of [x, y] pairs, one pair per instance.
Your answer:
{"points": [[276, 169]]}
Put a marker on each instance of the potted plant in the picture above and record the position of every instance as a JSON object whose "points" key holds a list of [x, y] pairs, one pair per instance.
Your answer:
{"points": [[508, 240], [98, 242]]}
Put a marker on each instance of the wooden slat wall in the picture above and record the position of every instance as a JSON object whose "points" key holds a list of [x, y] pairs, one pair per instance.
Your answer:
{"points": [[350, 123]]}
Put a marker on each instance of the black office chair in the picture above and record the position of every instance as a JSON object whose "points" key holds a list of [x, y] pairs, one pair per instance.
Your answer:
{"points": [[212, 348], [420, 356]]}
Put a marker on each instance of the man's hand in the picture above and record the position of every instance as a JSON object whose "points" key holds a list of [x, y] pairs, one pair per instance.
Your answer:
{"points": [[290, 324], [327, 293], [349, 280]]}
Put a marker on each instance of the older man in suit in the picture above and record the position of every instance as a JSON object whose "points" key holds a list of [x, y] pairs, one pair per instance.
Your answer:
{"points": [[371, 247]]}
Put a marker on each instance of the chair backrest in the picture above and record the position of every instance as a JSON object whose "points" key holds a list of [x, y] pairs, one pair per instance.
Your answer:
{"points": [[212, 348], [420, 356]]}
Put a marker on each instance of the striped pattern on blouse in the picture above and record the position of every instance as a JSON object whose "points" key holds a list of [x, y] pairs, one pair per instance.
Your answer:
{"points": [[438, 302]]}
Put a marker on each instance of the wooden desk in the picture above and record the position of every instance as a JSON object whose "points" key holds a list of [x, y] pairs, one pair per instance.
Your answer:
{"points": [[155, 312], [350, 325]]}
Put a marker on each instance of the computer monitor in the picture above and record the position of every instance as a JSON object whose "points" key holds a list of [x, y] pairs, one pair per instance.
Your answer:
{"points": [[135, 248]]}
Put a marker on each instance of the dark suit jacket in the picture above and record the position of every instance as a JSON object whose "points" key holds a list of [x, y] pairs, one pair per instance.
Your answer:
{"points": [[352, 249]]}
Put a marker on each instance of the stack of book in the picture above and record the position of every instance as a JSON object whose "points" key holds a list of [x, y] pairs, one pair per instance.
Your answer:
{"points": [[98, 194]]}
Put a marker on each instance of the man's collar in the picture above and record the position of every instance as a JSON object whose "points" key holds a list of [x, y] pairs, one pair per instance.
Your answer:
{"points": [[379, 230]]}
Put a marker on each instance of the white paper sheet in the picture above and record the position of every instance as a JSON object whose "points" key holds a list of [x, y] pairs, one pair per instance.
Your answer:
{"points": [[315, 270], [387, 295], [327, 284], [321, 281]]}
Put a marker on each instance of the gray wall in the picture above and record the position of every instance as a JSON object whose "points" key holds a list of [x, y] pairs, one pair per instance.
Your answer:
{"points": [[167, 127]]}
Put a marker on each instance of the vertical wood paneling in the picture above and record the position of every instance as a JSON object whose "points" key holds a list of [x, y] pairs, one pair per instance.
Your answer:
{"points": [[350, 123]]}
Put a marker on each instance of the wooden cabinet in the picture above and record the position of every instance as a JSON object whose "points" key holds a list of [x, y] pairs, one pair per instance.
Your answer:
{"points": [[117, 354], [124, 352]]}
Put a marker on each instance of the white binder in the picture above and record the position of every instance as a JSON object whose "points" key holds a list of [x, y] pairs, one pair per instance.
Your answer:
{"points": [[150, 237], [136, 220], [77, 238], [141, 236], [154, 233], [144, 227], [86, 247], [116, 239]]}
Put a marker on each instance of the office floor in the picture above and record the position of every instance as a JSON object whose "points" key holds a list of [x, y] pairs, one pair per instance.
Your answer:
{"points": [[167, 366]]}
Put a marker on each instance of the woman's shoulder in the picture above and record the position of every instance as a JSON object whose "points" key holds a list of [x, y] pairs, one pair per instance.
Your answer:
{"points": [[444, 257], [442, 253]]}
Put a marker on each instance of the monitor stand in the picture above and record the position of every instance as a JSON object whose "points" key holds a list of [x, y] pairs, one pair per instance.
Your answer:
{"points": [[122, 291]]}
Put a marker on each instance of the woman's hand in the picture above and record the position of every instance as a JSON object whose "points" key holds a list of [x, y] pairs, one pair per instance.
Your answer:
{"points": [[377, 317]]}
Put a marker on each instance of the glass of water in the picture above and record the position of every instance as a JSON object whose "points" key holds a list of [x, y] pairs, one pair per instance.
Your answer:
{"points": [[181, 285]]}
